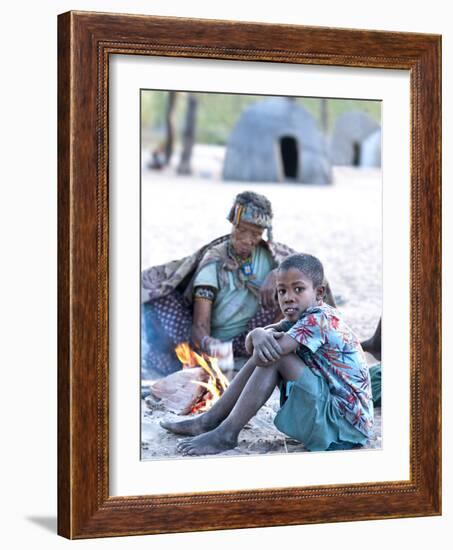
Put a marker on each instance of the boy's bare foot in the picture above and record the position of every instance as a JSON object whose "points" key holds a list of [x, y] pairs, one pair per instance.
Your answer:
{"points": [[210, 443], [193, 426]]}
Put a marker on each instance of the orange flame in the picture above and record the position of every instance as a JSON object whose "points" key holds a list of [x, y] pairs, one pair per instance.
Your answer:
{"points": [[217, 382], [186, 355]]}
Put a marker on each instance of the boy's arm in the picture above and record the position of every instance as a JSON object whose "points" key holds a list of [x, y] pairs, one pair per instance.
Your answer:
{"points": [[287, 343], [261, 342], [276, 327], [269, 344], [249, 343]]}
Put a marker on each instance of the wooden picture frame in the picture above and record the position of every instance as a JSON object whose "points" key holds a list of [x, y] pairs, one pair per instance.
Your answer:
{"points": [[85, 41]]}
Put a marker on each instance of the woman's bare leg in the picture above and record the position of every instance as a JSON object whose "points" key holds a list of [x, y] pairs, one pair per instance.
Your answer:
{"points": [[254, 395], [373, 344], [219, 411]]}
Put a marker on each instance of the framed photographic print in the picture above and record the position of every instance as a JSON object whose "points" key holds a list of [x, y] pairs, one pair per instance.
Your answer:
{"points": [[244, 209]]}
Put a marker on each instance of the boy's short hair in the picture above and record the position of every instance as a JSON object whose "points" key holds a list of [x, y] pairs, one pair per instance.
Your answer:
{"points": [[308, 264]]}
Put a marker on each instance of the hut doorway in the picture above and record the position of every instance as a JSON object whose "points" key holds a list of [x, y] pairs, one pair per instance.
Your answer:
{"points": [[290, 157], [356, 154]]}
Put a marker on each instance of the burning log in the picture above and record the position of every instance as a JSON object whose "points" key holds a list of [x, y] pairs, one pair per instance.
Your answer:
{"points": [[216, 383], [181, 391], [193, 389]]}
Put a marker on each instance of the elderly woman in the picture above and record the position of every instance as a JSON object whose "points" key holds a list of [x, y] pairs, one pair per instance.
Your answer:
{"points": [[218, 294]]}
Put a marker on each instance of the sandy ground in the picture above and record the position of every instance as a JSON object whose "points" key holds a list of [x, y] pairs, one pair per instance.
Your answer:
{"points": [[339, 223], [258, 437]]}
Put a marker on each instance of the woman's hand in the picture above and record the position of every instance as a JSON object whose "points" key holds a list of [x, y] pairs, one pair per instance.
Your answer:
{"points": [[201, 325], [266, 347], [209, 345], [267, 290]]}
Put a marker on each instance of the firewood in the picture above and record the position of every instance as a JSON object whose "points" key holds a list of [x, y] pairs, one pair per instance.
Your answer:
{"points": [[179, 392]]}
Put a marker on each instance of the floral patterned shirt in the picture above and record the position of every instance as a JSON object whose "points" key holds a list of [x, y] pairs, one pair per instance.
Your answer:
{"points": [[329, 346]]}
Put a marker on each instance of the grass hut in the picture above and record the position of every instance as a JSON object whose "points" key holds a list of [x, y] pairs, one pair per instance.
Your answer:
{"points": [[371, 150], [356, 141], [277, 140]]}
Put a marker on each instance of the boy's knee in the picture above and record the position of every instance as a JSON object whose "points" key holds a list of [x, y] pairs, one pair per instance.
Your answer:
{"points": [[291, 367], [291, 359]]}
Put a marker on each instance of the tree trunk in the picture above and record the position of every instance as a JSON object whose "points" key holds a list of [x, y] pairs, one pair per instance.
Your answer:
{"points": [[188, 135], [170, 126], [324, 116]]}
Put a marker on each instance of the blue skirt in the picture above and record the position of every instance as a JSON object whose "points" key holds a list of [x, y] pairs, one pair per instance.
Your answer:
{"points": [[308, 414]]}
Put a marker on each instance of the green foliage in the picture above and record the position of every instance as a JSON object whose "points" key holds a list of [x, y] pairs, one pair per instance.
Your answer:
{"points": [[337, 107], [218, 113]]}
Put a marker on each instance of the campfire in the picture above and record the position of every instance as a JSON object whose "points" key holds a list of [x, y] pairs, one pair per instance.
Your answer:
{"points": [[198, 385], [216, 382]]}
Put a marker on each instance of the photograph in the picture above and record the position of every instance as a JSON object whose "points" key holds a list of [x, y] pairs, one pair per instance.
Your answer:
{"points": [[261, 274]]}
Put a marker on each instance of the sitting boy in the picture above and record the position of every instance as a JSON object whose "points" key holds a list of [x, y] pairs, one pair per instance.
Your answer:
{"points": [[315, 359]]}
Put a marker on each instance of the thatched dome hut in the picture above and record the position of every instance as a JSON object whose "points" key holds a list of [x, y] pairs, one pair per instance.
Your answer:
{"points": [[371, 150], [277, 140], [352, 141]]}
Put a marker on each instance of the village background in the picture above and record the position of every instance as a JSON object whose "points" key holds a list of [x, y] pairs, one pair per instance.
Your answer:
{"points": [[323, 165]]}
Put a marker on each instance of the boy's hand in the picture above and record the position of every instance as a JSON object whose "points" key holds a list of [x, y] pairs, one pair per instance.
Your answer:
{"points": [[266, 346]]}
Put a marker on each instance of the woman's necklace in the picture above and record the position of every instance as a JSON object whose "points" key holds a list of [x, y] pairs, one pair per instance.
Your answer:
{"points": [[245, 265]]}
